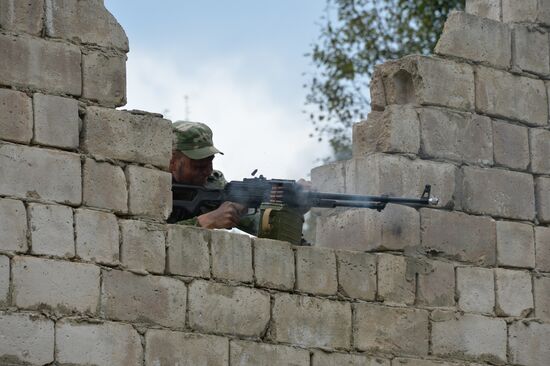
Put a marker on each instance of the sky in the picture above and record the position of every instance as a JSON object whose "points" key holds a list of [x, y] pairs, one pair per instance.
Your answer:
{"points": [[237, 66]]}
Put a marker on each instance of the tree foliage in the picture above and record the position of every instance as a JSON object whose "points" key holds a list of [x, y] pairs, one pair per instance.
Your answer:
{"points": [[355, 36]]}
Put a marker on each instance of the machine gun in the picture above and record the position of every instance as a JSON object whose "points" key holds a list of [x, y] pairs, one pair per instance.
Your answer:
{"points": [[281, 202]]}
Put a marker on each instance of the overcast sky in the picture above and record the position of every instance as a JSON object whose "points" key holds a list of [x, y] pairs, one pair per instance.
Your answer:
{"points": [[240, 63]]}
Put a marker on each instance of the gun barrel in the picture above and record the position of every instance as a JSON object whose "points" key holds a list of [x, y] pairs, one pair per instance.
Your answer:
{"points": [[356, 200]]}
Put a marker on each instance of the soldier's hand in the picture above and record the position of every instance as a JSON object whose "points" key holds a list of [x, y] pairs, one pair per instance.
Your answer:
{"points": [[224, 217]]}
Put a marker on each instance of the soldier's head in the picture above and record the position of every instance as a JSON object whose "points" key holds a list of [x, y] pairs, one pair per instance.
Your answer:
{"points": [[192, 152]]}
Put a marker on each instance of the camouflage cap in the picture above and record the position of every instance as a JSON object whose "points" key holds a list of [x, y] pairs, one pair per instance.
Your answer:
{"points": [[193, 139]]}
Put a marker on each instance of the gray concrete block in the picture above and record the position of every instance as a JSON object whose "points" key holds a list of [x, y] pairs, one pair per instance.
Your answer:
{"points": [[43, 284], [26, 339], [143, 246], [499, 193], [104, 77], [539, 142], [330, 177], [529, 343], [310, 322], [475, 289], [501, 94], [417, 362], [4, 280], [541, 291], [463, 137], [145, 299], [13, 226], [214, 307], [22, 16], [188, 251], [258, 354], [104, 186], [165, 347], [514, 293], [84, 22], [16, 117], [42, 64], [51, 230], [435, 284], [475, 38], [396, 280], [542, 244], [316, 271], [231, 256], [491, 9], [469, 336], [145, 139], [524, 11], [511, 145], [149, 192], [515, 244], [56, 121], [391, 330], [102, 344], [97, 236], [542, 196], [274, 264], [531, 50], [320, 358], [59, 174], [459, 236], [357, 275], [377, 92]]}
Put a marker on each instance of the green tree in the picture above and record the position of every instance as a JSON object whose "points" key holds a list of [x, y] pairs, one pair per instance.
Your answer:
{"points": [[355, 36]]}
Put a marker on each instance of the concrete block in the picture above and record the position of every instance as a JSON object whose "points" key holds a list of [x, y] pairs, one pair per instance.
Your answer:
{"points": [[395, 228], [149, 192], [51, 230], [469, 336], [531, 50], [144, 299], [214, 307], [16, 118], [330, 177], [103, 344], [396, 280], [524, 11], [459, 236], [396, 130], [257, 354], [539, 141], [477, 39], [428, 81], [316, 271], [56, 121], [491, 9], [542, 298], [320, 358], [22, 16], [310, 322], [435, 284], [501, 94], [511, 145], [542, 245], [164, 347], [377, 92], [542, 196], [43, 284], [274, 265], [391, 330], [104, 77], [104, 186], [143, 246], [59, 174], [529, 343], [42, 64], [231, 256], [13, 226], [515, 244], [499, 193], [357, 275], [412, 362], [464, 137], [188, 251], [400, 176], [514, 293], [145, 139], [26, 339], [475, 289], [4, 280], [84, 22], [97, 236]]}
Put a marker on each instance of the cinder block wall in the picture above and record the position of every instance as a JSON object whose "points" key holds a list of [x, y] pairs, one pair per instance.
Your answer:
{"points": [[90, 274]]}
